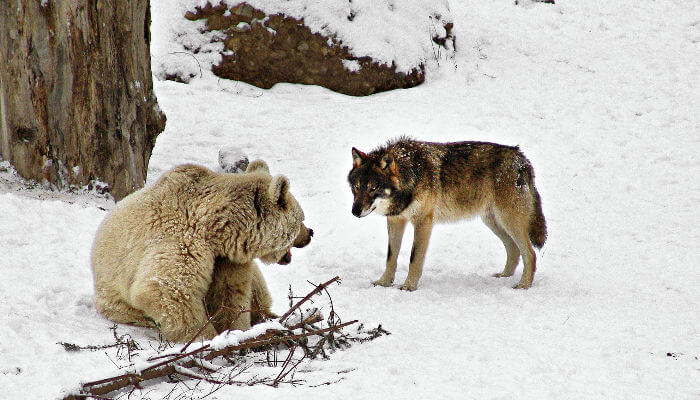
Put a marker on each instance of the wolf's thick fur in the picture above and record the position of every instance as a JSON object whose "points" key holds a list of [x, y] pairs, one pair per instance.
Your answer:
{"points": [[427, 183]]}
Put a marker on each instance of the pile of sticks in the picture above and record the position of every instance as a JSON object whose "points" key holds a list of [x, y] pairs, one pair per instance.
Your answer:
{"points": [[197, 363]]}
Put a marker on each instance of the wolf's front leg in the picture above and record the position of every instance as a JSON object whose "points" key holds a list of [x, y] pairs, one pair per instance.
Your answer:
{"points": [[421, 237], [396, 227]]}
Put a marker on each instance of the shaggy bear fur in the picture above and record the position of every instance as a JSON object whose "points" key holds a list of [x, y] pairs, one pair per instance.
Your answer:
{"points": [[172, 253]]}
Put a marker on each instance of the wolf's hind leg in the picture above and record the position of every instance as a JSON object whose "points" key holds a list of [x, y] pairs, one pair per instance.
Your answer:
{"points": [[512, 251], [517, 227], [396, 227]]}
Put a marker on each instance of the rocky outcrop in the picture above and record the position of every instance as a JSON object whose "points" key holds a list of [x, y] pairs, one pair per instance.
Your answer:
{"points": [[265, 49]]}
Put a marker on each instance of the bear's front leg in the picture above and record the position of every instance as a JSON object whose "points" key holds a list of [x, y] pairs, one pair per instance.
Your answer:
{"points": [[229, 294], [177, 314], [260, 301], [174, 300]]}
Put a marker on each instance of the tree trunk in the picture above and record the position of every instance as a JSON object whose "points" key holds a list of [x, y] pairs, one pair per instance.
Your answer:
{"points": [[76, 95]]}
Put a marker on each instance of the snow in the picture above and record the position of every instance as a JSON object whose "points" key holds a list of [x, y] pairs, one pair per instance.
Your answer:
{"points": [[234, 338], [603, 99], [402, 30], [352, 65]]}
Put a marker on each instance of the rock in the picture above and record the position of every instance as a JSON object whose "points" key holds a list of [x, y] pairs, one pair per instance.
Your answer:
{"points": [[263, 50], [232, 159]]}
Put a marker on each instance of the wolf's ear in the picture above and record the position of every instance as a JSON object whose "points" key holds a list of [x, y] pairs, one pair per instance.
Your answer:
{"points": [[357, 157], [279, 187], [257, 165]]}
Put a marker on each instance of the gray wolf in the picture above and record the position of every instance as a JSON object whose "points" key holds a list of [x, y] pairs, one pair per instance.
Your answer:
{"points": [[426, 183]]}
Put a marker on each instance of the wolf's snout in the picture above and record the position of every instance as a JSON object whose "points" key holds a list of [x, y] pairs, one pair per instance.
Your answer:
{"points": [[360, 212], [357, 211]]}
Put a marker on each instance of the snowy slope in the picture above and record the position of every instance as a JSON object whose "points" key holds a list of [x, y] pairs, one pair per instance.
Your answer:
{"points": [[603, 97]]}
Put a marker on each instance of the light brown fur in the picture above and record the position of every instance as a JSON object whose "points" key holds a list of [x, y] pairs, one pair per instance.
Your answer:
{"points": [[426, 183], [238, 296], [156, 254]]}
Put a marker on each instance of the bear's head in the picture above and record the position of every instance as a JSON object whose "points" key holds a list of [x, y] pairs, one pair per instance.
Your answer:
{"points": [[303, 238], [280, 216]]}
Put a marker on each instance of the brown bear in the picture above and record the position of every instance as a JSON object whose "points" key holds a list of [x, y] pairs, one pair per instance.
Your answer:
{"points": [[172, 253]]}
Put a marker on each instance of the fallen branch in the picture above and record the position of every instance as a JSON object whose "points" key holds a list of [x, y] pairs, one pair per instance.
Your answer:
{"points": [[196, 364], [176, 364]]}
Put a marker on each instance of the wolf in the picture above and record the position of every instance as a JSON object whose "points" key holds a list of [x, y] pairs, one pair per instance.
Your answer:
{"points": [[427, 183]]}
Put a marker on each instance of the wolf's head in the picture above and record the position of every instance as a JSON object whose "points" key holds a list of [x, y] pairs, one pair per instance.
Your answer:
{"points": [[373, 181]]}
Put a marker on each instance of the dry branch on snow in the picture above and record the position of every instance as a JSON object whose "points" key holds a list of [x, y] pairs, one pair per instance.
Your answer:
{"points": [[216, 362]]}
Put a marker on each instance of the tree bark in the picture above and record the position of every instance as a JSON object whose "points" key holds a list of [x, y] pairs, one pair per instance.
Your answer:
{"points": [[76, 94]]}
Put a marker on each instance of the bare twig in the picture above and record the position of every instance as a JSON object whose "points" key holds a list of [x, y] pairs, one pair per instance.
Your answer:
{"points": [[317, 290], [294, 367], [269, 340], [191, 55], [201, 329], [284, 365]]}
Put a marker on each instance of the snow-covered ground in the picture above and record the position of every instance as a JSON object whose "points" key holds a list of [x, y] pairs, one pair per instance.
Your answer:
{"points": [[602, 96]]}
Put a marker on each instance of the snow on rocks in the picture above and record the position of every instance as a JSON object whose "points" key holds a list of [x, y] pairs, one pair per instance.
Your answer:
{"points": [[356, 48], [232, 159]]}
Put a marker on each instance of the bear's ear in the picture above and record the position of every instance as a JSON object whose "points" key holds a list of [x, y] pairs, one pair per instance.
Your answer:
{"points": [[279, 187], [258, 165]]}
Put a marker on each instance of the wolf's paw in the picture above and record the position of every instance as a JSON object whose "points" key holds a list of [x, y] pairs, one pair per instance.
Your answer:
{"points": [[383, 282], [501, 275], [522, 285], [408, 286]]}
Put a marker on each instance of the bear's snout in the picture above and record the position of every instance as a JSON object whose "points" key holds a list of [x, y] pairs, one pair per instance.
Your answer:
{"points": [[304, 237]]}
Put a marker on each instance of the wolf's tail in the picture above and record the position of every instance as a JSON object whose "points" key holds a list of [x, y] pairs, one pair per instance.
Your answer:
{"points": [[538, 225]]}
